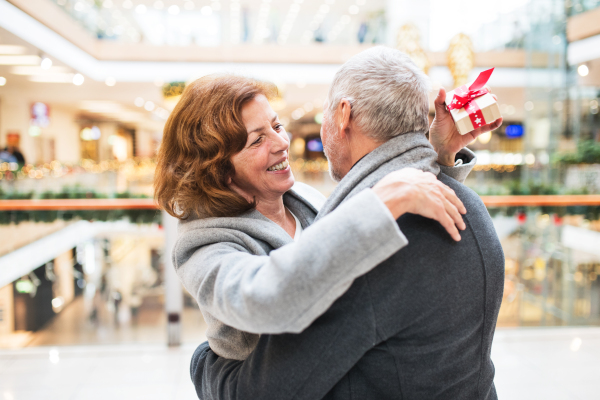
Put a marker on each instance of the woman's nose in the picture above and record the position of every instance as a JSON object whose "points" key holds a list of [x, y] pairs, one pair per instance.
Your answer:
{"points": [[280, 142]]}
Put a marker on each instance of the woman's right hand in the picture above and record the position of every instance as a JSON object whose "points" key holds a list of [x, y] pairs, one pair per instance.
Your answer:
{"points": [[411, 190]]}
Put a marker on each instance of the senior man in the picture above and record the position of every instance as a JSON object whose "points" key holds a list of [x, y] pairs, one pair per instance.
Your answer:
{"points": [[421, 324]]}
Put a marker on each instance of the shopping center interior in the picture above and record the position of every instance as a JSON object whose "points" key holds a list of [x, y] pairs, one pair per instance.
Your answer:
{"points": [[90, 306]]}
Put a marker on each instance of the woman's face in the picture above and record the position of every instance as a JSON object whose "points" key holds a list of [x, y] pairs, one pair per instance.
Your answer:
{"points": [[262, 168]]}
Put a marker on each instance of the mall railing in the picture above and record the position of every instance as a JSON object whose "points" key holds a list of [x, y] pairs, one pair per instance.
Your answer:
{"points": [[552, 250], [551, 244]]}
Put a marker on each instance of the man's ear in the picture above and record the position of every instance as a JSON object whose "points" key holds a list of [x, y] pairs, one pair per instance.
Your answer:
{"points": [[344, 113]]}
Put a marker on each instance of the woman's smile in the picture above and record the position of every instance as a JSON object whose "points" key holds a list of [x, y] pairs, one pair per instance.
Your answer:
{"points": [[280, 167]]}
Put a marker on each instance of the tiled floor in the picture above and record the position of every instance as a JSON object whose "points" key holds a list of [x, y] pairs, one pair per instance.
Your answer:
{"points": [[96, 372], [72, 326], [551, 363], [547, 363]]}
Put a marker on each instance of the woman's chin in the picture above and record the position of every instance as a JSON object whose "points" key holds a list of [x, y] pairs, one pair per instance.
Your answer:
{"points": [[285, 180]]}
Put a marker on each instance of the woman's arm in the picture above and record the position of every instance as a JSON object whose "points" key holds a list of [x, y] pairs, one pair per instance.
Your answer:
{"points": [[288, 289]]}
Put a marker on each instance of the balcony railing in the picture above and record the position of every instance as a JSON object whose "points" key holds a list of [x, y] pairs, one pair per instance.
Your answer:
{"points": [[550, 245], [148, 204]]}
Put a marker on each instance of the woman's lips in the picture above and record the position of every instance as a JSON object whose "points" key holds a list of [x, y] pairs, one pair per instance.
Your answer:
{"points": [[283, 164], [281, 171]]}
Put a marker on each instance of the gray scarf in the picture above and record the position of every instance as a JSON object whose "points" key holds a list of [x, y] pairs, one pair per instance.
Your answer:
{"points": [[407, 150]]}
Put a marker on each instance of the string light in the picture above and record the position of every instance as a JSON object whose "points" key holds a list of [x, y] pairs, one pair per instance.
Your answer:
{"points": [[234, 21], [315, 24], [262, 31], [288, 23], [339, 27]]}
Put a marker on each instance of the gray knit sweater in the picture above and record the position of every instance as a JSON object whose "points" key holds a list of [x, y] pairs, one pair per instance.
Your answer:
{"points": [[249, 276]]}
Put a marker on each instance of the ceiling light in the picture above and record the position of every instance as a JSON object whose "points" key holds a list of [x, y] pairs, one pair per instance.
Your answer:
{"points": [[78, 79], [19, 60], [140, 9], [583, 70], [79, 6], [149, 106], [46, 63], [37, 70], [139, 102], [110, 81], [52, 78], [206, 10], [174, 10], [12, 49], [2, 81]]}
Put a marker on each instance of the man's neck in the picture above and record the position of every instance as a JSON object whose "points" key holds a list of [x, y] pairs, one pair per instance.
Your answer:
{"points": [[360, 147]]}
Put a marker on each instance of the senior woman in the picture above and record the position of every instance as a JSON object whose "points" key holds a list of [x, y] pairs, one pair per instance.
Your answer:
{"points": [[247, 248]]}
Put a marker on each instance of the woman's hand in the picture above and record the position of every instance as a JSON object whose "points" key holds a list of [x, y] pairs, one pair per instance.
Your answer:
{"points": [[413, 191], [444, 136]]}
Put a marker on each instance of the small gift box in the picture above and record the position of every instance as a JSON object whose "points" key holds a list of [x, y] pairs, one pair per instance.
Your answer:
{"points": [[472, 106]]}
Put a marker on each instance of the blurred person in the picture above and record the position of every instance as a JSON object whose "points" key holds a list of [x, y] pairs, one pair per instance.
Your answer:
{"points": [[16, 153], [7, 156], [12, 150], [419, 325]]}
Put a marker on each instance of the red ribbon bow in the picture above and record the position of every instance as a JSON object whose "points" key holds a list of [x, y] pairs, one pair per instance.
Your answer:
{"points": [[464, 95]]}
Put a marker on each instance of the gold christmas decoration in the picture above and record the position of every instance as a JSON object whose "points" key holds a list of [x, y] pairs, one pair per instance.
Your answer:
{"points": [[461, 58], [409, 42]]}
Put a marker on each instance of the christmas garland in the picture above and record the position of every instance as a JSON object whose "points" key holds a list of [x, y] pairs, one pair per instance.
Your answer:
{"points": [[141, 216]]}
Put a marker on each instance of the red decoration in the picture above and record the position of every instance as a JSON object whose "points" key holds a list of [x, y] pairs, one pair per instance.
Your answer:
{"points": [[557, 220], [464, 96], [521, 218]]}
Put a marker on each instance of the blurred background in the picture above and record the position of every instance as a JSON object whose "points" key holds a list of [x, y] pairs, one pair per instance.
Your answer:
{"points": [[89, 304]]}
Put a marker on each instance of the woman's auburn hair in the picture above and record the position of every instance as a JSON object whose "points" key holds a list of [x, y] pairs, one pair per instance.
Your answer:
{"points": [[201, 135]]}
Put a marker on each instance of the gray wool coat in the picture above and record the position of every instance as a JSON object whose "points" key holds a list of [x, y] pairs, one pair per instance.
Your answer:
{"points": [[249, 277]]}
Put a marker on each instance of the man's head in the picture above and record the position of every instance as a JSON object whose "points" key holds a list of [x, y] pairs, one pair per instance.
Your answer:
{"points": [[376, 95]]}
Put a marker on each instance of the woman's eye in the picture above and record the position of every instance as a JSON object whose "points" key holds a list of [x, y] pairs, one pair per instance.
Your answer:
{"points": [[258, 140], [278, 127]]}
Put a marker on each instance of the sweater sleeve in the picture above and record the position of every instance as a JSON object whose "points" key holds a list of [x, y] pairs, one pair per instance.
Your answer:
{"points": [[465, 161], [292, 286]]}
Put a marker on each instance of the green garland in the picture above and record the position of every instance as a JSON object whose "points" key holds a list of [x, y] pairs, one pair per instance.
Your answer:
{"points": [[154, 216], [588, 152], [141, 216]]}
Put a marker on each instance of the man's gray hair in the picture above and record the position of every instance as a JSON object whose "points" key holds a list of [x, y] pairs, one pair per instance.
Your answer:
{"points": [[387, 91]]}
